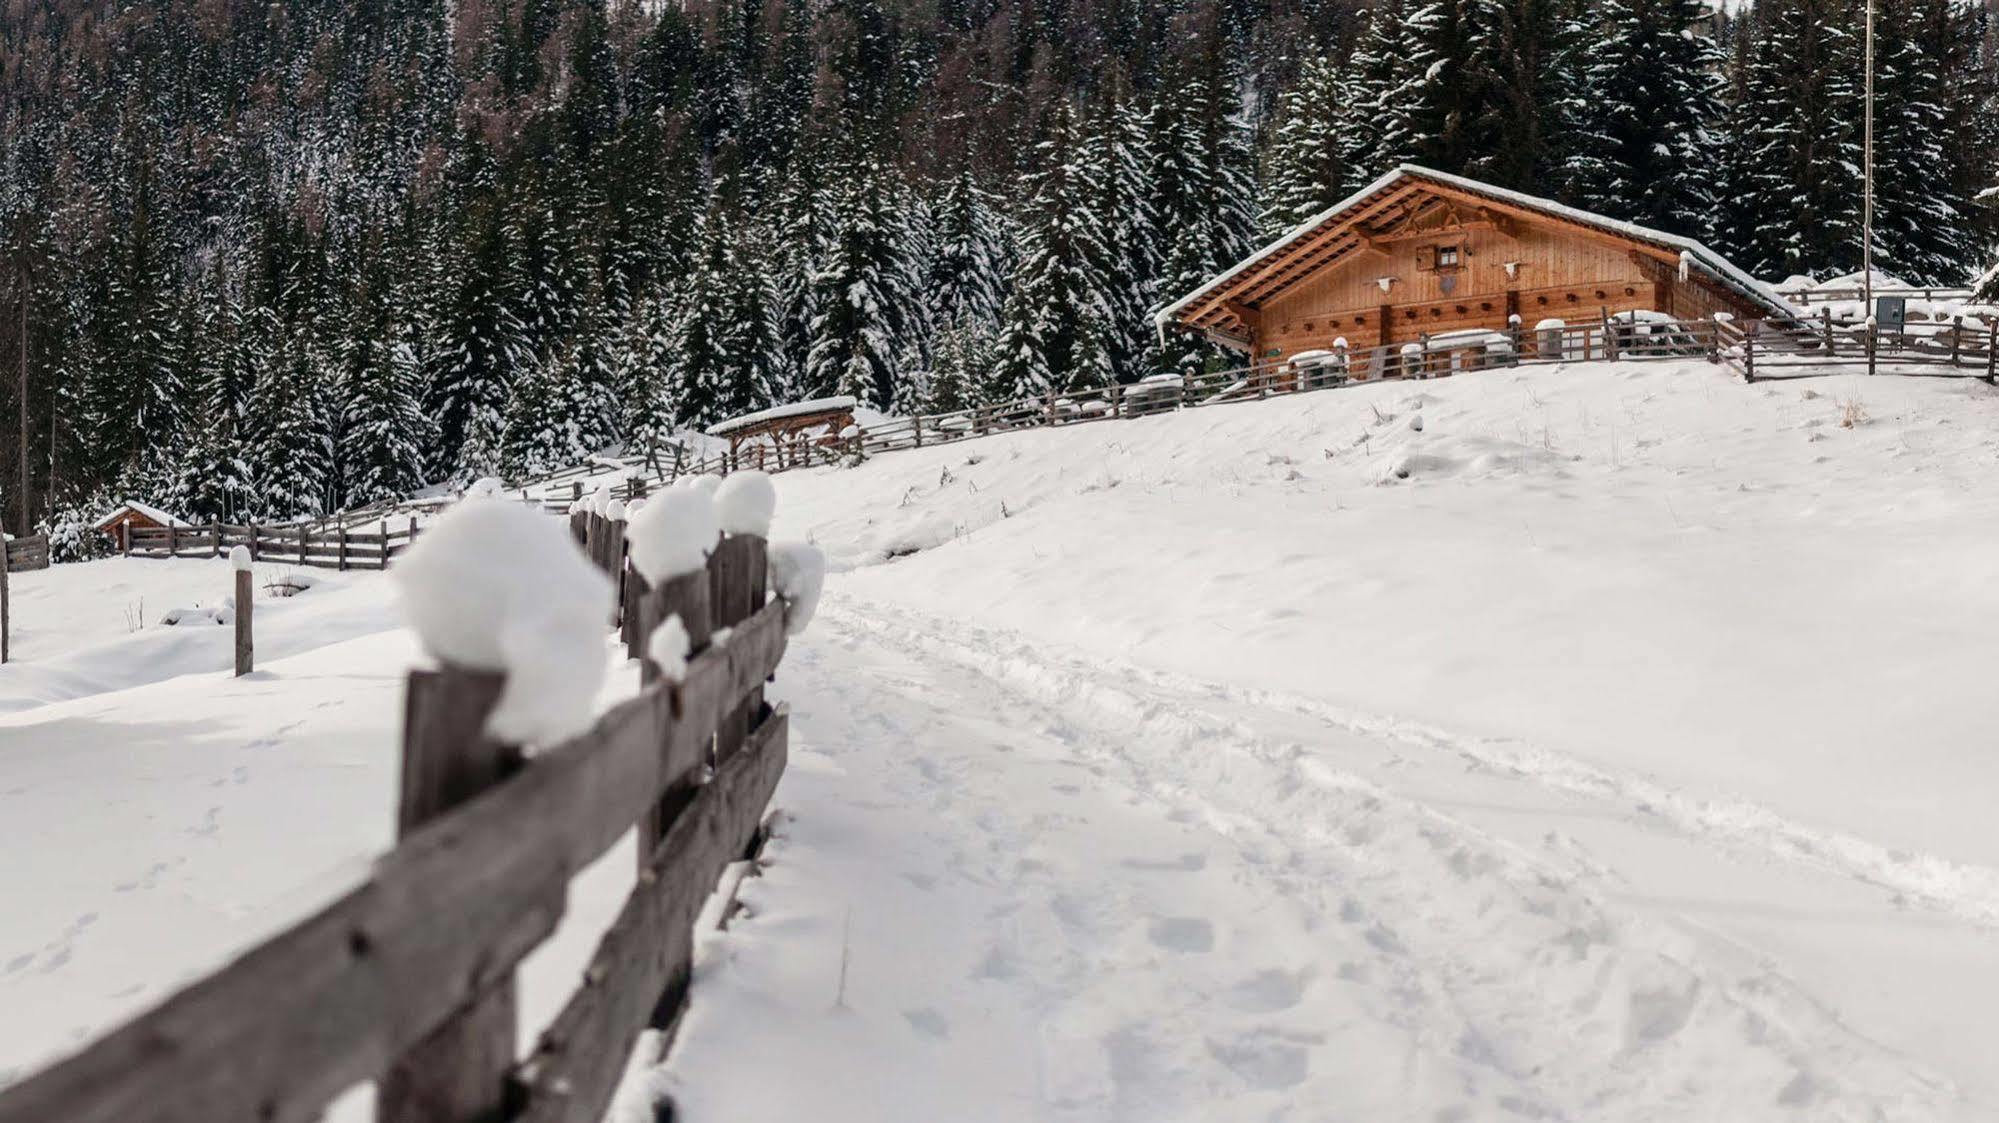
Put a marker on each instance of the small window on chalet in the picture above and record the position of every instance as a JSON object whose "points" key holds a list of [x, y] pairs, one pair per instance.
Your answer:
{"points": [[1447, 257]]}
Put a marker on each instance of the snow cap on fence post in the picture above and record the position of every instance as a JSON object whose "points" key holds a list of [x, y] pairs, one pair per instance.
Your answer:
{"points": [[615, 510], [797, 574], [496, 586], [673, 534], [239, 558], [668, 648], [745, 502]]}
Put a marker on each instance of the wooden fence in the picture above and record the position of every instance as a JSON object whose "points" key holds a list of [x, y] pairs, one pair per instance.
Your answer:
{"points": [[26, 553], [1601, 337], [1816, 348], [407, 978], [327, 546]]}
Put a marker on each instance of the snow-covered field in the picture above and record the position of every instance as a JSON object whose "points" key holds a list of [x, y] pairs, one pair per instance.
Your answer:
{"points": [[1612, 746]]}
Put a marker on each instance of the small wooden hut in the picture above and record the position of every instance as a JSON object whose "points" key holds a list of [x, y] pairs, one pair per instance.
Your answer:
{"points": [[132, 513], [1419, 254], [786, 434]]}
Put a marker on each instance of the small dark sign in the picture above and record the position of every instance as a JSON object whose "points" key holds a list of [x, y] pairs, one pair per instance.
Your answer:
{"points": [[1890, 311]]}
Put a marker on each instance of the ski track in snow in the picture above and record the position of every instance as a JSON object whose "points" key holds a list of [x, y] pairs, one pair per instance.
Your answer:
{"points": [[1967, 892], [1387, 960]]}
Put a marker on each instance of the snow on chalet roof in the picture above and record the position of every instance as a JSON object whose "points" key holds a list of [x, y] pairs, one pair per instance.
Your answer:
{"points": [[151, 512], [1706, 259], [840, 403]]}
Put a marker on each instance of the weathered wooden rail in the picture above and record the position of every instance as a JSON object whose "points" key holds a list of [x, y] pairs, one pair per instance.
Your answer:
{"points": [[407, 978], [27, 553], [326, 546], [1818, 347]]}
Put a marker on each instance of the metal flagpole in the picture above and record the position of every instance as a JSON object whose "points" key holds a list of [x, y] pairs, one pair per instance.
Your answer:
{"points": [[1867, 178]]}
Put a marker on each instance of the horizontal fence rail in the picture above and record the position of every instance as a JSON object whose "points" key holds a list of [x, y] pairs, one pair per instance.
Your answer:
{"points": [[27, 552], [326, 546], [1817, 347], [407, 978]]}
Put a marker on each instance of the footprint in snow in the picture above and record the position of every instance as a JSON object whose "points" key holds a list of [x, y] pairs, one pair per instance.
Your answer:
{"points": [[1182, 933], [928, 1022]]}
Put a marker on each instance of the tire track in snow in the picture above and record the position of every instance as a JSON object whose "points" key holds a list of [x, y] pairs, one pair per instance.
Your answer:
{"points": [[1581, 1009]]}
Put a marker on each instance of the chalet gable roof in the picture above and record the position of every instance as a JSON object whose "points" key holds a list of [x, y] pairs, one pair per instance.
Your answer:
{"points": [[1349, 226]]}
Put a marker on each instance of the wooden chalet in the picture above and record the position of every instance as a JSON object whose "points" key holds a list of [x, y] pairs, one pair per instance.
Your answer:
{"points": [[1418, 254]]}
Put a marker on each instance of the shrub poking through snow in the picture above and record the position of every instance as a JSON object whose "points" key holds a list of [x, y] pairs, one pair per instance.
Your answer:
{"points": [[668, 648], [673, 534], [797, 574], [496, 586], [744, 504], [239, 558]]}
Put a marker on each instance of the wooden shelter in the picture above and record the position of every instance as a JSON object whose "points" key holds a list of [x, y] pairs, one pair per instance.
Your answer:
{"points": [[132, 513], [786, 432], [1419, 253]]}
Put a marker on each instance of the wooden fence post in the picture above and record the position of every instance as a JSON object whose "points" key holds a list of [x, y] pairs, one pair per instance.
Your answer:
{"points": [[459, 1071], [1825, 326], [341, 545], [244, 609], [215, 539], [1609, 335], [1051, 406], [1749, 351], [737, 574], [173, 549], [252, 543], [1872, 328], [1992, 352], [125, 538], [6, 606], [916, 427]]}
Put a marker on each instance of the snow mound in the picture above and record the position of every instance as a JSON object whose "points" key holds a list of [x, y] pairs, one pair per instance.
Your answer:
{"points": [[745, 502], [706, 483], [174, 617], [1464, 457], [496, 586], [673, 534], [668, 648], [798, 573], [486, 487]]}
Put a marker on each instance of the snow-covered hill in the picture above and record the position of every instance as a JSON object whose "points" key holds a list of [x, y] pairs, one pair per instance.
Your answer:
{"points": [[1605, 742]]}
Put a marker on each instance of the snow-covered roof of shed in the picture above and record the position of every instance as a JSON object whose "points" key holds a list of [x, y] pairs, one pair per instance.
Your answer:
{"points": [[133, 505], [1700, 256], [839, 403]]}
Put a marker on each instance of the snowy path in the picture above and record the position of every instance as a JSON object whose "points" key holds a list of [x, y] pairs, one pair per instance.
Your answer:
{"points": [[1070, 889]]}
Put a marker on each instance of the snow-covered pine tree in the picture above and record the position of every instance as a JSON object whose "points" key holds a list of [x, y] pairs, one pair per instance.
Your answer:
{"points": [[1058, 329], [1923, 232], [701, 366], [384, 429], [1204, 189], [288, 459], [1304, 165], [1119, 161], [968, 265], [1646, 148], [1527, 86], [1792, 200], [863, 290], [1390, 90], [646, 402]]}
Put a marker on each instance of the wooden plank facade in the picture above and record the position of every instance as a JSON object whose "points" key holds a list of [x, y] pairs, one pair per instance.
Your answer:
{"points": [[1420, 253]]}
